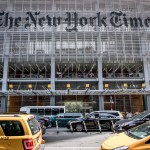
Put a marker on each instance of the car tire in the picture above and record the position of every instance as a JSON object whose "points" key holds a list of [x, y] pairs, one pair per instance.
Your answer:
{"points": [[79, 127], [108, 125]]}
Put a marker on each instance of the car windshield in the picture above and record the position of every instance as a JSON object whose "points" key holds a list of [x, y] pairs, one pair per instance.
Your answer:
{"points": [[139, 132], [139, 116]]}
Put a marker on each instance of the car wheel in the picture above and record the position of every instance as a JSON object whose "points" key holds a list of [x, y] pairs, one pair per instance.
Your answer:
{"points": [[79, 127], [108, 125]]}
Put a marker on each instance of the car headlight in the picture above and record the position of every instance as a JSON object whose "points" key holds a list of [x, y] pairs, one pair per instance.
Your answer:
{"points": [[122, 148]]}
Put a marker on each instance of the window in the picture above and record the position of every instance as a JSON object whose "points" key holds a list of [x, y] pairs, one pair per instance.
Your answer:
{"points": [[41, 111], [12, 128], [33, 111], [34, 126], [48, 111]]}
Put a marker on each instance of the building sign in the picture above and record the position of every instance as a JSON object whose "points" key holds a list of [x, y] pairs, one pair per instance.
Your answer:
{"points": [[72, 20]]}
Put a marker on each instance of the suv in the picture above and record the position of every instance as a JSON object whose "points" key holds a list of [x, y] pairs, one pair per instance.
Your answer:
{"points": [[93, 121], [113, 112], [126, 124], [20, 131], [63, 118]]}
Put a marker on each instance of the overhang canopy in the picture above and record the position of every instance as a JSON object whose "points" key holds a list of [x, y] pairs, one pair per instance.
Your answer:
{"points": [[74, 92]]}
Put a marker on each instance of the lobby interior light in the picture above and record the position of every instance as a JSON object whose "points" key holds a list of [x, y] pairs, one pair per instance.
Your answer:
{"points": [[106, 85], [10, 86], [68, 86], [143, 85], [87, 86], [49, 86], [125, 85], [29, 86]]}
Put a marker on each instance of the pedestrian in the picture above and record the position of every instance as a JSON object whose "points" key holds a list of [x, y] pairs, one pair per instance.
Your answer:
{"points": [[129, 115]]}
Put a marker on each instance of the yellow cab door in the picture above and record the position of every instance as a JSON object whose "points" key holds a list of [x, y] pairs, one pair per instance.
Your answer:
{"points": [[4, 140]]}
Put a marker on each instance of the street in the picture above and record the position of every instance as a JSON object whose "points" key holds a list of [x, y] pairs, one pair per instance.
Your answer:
{"points": [[63, 139]]}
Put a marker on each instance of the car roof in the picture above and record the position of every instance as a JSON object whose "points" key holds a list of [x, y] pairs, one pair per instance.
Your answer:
{"points": [[10, 116], [108, 111], [70, 113]]}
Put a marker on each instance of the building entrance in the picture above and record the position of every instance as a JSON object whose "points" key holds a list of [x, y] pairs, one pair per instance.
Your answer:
{"points": [[124, 103], [78, 103]]}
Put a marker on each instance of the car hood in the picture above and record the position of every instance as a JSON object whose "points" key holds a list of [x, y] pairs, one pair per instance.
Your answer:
{"points": [[124, 140], [122, 121]]}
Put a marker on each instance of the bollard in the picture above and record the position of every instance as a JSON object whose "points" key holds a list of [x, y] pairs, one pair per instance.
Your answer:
{"points": [[112, 126], [57, 126], [71, 127], [85, 126], [99, 126]]}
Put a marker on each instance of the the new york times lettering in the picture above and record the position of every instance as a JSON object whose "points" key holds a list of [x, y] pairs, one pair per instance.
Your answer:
{"points": [[72, 20]]}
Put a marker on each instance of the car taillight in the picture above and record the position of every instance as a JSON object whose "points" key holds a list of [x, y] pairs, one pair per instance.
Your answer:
{"points": [[28, 144]]}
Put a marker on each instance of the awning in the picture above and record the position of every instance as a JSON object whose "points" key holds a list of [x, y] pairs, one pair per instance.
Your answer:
{"points": [[74, 92]]}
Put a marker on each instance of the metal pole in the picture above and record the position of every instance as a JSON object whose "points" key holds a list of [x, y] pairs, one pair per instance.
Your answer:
{"points": [[85, 126], [99, 126], [57, 126], [71, 127]]}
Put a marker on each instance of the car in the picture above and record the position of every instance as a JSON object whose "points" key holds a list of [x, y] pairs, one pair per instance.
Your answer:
{"points": [[41, 122], [137, 138], [63, 118], [113, 112], [93, 121], [46, 120], [126, 124], [20, 131]]}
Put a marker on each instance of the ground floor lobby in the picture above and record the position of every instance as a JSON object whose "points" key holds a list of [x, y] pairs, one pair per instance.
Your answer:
{"points": [[81, 103]]}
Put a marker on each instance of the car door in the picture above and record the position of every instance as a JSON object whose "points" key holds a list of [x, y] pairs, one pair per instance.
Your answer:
{"points": [[4, 140], [105, 121], [91, 122], [60, 119], [11, 134], [68, 117]]}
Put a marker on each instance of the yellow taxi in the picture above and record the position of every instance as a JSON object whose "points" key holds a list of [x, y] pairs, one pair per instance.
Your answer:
{"points": [[137, 138], [20, 132]]}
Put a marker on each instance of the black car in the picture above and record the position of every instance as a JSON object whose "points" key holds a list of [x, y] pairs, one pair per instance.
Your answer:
{"points": [[93, 122], [41, 122], [126, 124], [46, 121]]}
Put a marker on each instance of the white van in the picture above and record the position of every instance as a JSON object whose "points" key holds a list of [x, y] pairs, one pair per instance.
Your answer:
{"points": [[43, 110]]}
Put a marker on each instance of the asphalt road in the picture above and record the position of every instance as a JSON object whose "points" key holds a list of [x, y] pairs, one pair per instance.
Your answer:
{"points": [[64, 139]]}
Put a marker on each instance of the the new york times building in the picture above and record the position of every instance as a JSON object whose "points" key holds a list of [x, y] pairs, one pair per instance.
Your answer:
{"points": [[86, 55]]}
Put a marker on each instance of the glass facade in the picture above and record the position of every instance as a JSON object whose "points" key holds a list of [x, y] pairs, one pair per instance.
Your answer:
{"points": [[103, 43]]}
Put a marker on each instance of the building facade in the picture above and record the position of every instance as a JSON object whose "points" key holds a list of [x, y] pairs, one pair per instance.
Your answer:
{"points": [[86, 55]]}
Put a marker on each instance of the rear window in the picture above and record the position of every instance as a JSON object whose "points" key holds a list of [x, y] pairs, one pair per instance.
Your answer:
{"points": [[114, 113], [34, 126], [75, 115], [12, 128]]}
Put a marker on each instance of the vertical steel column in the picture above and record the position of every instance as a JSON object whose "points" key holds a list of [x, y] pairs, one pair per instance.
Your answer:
{"points": [[147, 86], [100, 84], [4, 99], [52, 100]]}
